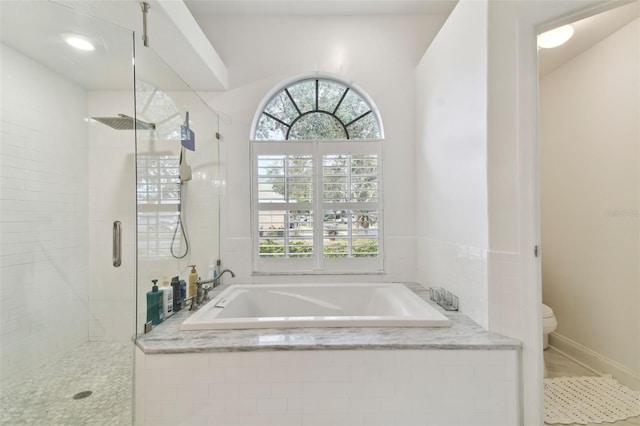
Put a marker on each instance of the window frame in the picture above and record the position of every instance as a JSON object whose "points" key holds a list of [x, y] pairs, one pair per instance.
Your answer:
{"points": [[317, 263], [320, 76]]}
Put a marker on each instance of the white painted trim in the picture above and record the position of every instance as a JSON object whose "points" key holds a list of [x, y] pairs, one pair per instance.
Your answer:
{"points": [[594, 361], [533, 17], [529, 17]]}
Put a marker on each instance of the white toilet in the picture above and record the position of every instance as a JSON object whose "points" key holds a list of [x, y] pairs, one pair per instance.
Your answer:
{"points": [[549, 324]]}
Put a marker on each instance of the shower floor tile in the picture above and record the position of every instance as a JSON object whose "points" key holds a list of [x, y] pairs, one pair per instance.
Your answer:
{"points": [[44, 396]]}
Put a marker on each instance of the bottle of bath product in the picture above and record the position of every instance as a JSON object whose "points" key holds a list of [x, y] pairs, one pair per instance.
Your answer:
{"points": [[216, 273], [167, 298], [155, 312], [177, 300], [193, 277], [183, 290], [211, 271]]}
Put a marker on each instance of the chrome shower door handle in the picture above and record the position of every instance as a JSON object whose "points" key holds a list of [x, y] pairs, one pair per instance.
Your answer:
{"points": [[117, 244]]}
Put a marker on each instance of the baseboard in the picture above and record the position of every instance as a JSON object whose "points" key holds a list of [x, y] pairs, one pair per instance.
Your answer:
{"points": [[594, 361]]}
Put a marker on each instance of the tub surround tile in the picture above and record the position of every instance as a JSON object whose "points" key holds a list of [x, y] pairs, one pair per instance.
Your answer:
{"points": [[434, 398], [167, 338]]}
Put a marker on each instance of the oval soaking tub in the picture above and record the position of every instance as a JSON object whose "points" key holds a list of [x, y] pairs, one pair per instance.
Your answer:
{"points": [[315, 305]]}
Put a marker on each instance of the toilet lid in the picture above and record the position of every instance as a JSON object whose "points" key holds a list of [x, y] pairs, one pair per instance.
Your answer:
{"points": [[547, 312]]}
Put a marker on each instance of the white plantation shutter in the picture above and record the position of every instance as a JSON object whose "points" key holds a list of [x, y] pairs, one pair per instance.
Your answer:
{"points": [[350, 205], [285, 206], [317, 207], [317, 179]]}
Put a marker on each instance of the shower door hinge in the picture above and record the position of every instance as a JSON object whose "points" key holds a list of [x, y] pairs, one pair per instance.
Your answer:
{"points": [[535, 251], [218, 136]]}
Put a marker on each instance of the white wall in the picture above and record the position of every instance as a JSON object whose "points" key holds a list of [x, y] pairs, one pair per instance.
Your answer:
{"points": [[451, 160], [45, 230], [590, 170], [379, 54]]}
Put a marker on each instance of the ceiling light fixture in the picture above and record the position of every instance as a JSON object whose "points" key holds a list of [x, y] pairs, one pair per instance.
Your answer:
{"points": [[555, 37], [79, 42]]}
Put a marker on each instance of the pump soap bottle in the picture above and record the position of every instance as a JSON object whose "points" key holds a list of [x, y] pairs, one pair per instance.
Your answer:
{"points": [[155, 312], [193, 277]]}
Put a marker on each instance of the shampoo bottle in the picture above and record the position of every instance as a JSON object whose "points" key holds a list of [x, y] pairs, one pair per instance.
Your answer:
{"points": [[193, 277], [155, 312], [167, 298]]}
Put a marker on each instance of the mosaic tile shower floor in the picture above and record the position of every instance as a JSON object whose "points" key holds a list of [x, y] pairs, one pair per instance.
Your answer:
{"points": [[45, 396]]}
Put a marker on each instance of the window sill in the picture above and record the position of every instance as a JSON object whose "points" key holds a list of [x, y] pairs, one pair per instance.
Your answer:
{"points": [[291, 273]]}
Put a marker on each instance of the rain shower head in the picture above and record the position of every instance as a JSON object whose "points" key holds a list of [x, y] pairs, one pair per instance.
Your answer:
{"points": [[124, 122]]}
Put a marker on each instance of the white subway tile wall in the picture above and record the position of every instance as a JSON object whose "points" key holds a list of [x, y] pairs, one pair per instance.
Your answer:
{"points": [[505, 305], [346, 388], [44, 215], [459, 268]]}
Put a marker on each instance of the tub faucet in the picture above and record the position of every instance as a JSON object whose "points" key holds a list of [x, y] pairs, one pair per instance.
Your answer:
{"points": [[214, 282]]}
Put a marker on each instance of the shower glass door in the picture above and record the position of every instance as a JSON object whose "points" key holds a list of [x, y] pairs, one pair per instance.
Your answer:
{"points": [[178, 188], [67, 171]]}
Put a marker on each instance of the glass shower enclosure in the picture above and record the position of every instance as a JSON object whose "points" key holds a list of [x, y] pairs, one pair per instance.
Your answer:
{"points": [[92, 207], [177, 181]]}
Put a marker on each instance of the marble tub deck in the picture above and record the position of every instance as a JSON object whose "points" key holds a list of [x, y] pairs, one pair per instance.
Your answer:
{"points": [[463, 334]]}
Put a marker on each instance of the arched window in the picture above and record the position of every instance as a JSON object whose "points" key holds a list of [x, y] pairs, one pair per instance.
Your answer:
{"points": [[317, 175], [317, 108]]}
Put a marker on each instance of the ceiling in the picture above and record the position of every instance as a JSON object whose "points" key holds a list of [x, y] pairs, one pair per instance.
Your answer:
{"points": [[35, 28], [202, 9], [588, 32]]}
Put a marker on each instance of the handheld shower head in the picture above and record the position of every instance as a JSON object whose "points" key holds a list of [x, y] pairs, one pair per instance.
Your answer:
{"points": [[184, 169]]}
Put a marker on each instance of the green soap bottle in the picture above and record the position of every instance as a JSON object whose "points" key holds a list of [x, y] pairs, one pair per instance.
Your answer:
{"points": [[155, 311]]}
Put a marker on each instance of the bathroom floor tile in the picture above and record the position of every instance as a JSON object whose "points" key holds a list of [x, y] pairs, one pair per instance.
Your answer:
{"points": [[560, 366], [44, 396]]}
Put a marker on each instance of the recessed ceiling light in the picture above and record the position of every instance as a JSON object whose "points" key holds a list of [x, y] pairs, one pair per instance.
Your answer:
{"points": [[79, 42], [555, 37]]}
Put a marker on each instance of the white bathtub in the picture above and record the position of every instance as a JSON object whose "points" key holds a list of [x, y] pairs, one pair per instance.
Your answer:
{"points": [[315, 305]]}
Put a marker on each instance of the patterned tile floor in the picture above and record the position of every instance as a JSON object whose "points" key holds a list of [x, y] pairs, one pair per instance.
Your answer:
{"points": [[45, 396], [559, 366]]}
